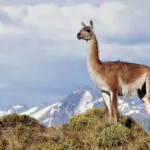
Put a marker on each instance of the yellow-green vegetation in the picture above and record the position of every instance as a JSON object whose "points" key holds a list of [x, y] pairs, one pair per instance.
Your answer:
{"points": [[115, 135], [91, 130], [13, 119]]}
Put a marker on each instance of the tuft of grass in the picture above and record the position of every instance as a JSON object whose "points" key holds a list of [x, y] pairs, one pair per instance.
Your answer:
{"points": [[14, 119], [79, 122], [99, 113], [65, 126], [115, 135], [66, 145], [87, 120]]}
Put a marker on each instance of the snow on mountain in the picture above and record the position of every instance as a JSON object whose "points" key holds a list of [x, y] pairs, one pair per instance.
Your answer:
{"points": [[31, 111], [78, 102], [45, 115], [16, 109], [133, 108]]}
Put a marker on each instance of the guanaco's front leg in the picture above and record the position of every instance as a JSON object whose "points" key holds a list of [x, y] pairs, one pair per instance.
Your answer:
{"points": [[107, 101], [114, 106]]}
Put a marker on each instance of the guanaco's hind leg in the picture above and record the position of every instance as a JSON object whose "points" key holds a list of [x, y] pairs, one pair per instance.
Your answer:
{"points": [[144, 94]]}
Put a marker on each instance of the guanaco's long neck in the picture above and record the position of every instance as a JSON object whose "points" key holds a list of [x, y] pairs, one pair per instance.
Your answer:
{"points": [[93, 61]]}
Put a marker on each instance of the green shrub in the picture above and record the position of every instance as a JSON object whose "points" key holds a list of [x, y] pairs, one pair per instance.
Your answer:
{"points": [[65, 126], [78, 122], [114, 135], [14, 119], [87, 120], [96, 112], [45, 146], [100, 126], [76, 144], [49, 146], [66, 145]]}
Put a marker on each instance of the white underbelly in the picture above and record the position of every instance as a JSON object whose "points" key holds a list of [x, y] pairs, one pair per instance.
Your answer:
{"points": [[130, 90]]}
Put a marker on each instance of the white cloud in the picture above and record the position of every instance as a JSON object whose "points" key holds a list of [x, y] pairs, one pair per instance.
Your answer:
{"points": [[48, 32], [58, 2], [10, 30], [62, 23], [39, 48], [132, 53]]}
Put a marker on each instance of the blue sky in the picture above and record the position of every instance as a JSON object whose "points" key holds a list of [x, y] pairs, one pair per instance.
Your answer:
{"points": [[42, 61]]}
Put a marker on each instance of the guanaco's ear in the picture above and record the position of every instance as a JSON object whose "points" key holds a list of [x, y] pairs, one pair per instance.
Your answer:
{"points": [[83, 24], [91, 24]]}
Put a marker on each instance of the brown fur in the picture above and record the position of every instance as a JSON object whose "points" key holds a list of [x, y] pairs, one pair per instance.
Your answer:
{"points": [[128, 72]]}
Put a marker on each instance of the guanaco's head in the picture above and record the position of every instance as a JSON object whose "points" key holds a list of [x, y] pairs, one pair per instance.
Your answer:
{"points": [[86, 32]]}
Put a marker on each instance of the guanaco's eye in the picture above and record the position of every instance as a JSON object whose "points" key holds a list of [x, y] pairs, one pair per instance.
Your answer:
{"points": [[88, 30]]}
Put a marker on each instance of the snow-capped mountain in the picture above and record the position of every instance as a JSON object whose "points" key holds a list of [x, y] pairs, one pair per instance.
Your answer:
{"points": [[78, 102]]}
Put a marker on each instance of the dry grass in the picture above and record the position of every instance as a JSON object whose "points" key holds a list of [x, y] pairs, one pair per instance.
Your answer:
{"points": [[88, 131]]}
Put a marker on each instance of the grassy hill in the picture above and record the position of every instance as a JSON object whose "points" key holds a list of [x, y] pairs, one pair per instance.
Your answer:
{"points": [[88, 131]]}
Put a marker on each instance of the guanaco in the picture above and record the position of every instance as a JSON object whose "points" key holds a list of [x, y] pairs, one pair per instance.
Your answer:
{"points": [[115, 78]]}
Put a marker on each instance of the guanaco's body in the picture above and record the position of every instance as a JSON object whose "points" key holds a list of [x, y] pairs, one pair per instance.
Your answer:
{"points": [[115, 78]]}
